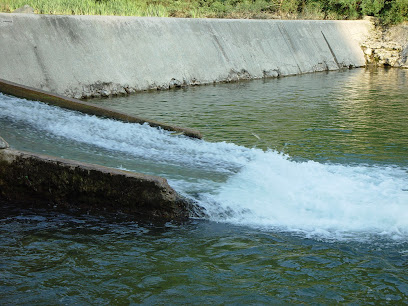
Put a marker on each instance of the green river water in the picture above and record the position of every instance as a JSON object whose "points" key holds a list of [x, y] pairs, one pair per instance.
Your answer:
{"points": [[304, 181]]}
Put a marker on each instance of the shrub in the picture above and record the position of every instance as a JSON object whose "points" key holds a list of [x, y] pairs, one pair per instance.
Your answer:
{"points": [[372, 7], [389, 11], [397, 13]]}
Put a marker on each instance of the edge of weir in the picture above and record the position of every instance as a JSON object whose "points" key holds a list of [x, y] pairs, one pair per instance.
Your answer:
{"points": [[30, 93], [37, 180]]}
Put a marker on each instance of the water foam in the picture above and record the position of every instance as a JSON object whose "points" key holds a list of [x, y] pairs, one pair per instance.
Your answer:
{"points": [[333, 201], [140, 141], [264, 189]]}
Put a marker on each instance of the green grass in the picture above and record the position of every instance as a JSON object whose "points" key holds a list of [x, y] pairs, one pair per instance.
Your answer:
{"points": [[389, 11]]}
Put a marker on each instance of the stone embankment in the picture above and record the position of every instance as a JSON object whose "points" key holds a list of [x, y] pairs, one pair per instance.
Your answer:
{"points": [[387, 47], [89, 56], [37, 180]]}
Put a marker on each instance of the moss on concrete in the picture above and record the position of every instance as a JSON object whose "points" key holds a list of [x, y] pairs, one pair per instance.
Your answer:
{"points": [[39, 180]]}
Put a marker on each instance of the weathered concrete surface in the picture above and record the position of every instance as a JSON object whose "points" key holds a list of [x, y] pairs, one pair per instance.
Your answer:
{"points": [[30, 93], [86, 56], [39, 180]]}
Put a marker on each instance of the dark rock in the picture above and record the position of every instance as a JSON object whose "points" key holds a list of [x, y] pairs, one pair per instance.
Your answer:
{"points": [[273, 73], [175, 83]]}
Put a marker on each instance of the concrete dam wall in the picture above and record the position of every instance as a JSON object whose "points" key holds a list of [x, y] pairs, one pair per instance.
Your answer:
{"points": [[86, 56]]}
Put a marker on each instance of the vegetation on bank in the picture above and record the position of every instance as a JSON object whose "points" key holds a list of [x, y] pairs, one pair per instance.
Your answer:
{"points": [[388, 11]]}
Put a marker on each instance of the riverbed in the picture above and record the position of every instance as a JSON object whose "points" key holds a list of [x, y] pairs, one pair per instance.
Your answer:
{"points": [[303, 181]]}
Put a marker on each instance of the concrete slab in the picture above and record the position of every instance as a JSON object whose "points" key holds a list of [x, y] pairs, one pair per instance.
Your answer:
{"points": [[37, 180]]}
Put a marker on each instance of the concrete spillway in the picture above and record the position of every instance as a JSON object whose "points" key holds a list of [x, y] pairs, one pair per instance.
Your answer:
{"points": [[85, 56]]}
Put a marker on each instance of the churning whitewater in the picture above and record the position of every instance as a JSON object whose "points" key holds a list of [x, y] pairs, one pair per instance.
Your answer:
{"points": [[234, 184]]}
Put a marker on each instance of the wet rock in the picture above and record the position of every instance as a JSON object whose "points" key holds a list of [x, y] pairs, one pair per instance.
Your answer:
{"points": [[3, 144], [77, 95], [194, 82], [104, 93], [175, 83], [121, 91], [274, 73], [238, 75], [128, 89], [99, 89], [386, 47], [26, 9]]}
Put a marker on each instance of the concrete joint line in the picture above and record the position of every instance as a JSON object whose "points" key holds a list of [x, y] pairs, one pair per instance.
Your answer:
{"points": [[331, 51]]}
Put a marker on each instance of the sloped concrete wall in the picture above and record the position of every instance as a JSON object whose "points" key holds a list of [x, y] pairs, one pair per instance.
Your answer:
{"points": [[85, 56]]}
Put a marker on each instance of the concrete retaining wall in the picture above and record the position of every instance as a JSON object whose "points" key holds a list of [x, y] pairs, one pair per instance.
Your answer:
{"points": [[36, 180], [85, 56]]}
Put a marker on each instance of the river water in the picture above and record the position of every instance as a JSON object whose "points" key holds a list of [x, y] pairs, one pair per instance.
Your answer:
{"points": [[303, 181]]}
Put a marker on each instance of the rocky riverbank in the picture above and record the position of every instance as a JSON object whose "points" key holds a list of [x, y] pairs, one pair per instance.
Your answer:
{"points": [[387, 47]]}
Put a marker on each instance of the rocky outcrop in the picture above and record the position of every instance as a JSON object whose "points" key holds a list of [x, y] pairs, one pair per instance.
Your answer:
{"points": [[43, 181], [387, 47]]}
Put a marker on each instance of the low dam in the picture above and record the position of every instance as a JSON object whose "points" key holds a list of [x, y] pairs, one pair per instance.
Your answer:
{"points": [[303, 180], [57, 59], [89, 56]]}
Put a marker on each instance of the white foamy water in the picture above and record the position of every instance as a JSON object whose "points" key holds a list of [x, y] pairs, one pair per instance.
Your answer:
{"points": [[332, 201], [140, 141], [263, 189]]}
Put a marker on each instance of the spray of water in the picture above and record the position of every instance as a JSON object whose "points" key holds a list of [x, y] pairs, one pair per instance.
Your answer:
{"points": [[333, 201], [262, 189]]}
